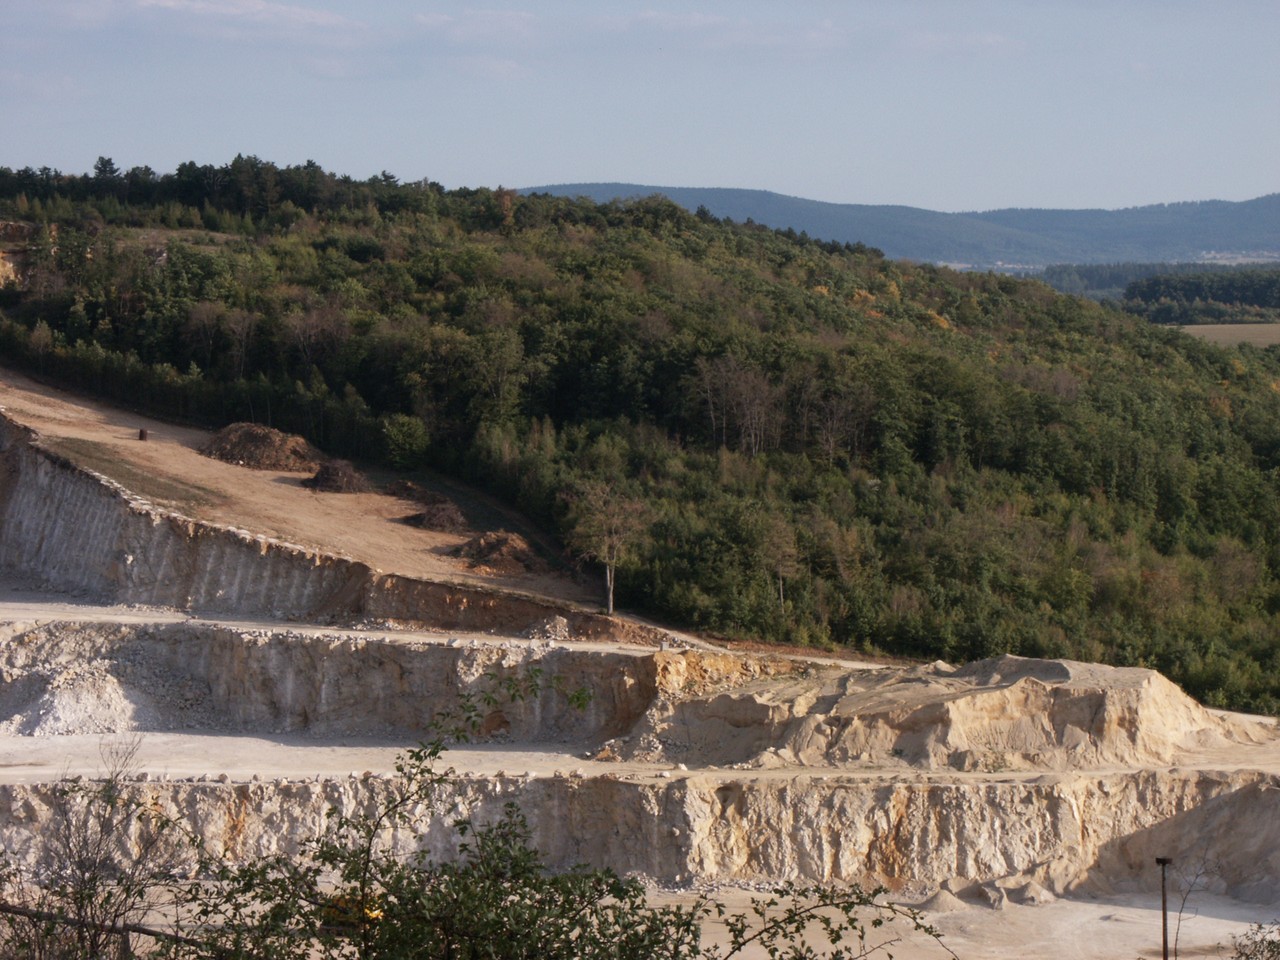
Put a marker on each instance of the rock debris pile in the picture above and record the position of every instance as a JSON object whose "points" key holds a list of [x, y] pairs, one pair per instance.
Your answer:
{"points": [[66, 680], [996, 715]]}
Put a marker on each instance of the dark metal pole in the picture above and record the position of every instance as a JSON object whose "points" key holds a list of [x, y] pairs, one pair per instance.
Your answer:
{"points": [[1164, 905]]}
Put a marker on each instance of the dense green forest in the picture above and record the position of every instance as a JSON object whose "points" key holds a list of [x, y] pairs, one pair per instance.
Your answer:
{"points": [[816, 444], [1176, 293], [1109, 281], [1243, 295]]}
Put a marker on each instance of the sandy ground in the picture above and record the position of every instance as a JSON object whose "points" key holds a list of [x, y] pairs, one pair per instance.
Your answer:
{"points": [[362, 526], [168, 756], [1121, 927]]}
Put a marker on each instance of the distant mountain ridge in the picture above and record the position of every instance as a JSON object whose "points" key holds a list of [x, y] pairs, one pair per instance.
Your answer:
{"points": [[1189, 231]]}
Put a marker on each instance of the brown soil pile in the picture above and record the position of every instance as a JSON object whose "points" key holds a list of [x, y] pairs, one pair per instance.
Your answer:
{"points": [[261, 448], [444, 517], [408, 490], [337, 476], [440, 512], [501, 553]]}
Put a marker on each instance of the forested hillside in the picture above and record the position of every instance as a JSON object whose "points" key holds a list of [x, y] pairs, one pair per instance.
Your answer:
{"points": [[789, 440], [1108, 281], [1160, 232], [1243, 295]]}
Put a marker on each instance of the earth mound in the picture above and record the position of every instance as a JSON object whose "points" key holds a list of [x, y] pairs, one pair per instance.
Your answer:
{"points": [[501, 553], [443, 517], [439, 512], [552, 630], [337, 476], [409, 490], [1007, 713], [261, 447]]}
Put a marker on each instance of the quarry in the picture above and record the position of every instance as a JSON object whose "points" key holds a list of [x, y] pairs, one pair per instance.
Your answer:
{"points": [[272, 650]]}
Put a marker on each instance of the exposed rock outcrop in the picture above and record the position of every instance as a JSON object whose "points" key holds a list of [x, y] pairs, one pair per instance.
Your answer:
{"points": [[64, 678], [77, 531], [1082, 834], [887, 818], [1008, 713]]}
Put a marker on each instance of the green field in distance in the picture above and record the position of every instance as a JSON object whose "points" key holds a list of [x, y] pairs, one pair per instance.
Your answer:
{"points": [[1230, 334]]}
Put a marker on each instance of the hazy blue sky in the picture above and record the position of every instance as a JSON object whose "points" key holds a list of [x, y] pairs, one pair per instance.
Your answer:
{"points": [[946, 104]]}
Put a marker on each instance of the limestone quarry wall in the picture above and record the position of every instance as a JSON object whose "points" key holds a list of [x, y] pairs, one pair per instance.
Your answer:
{"points": [[1097, 834], [68, 678], [75, 530], [80, 532], [1065, 833]]}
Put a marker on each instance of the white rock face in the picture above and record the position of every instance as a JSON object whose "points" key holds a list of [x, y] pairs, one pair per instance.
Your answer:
{"points": [[885, 819], [80, 532], [68, 678], [1086, 834]]}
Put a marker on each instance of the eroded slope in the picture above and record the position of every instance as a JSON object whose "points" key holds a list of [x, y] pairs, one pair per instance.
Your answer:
{"points": [[1007, 713]]}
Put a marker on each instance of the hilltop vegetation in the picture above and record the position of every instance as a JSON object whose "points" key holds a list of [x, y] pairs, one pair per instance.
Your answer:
{"points": [[1160, 232], [1109, 281], [1244, 295], [1176, 293], [812, 443]]}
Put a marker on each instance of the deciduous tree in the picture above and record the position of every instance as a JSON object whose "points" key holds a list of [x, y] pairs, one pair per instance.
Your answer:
{"points": [[605, 526]]}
